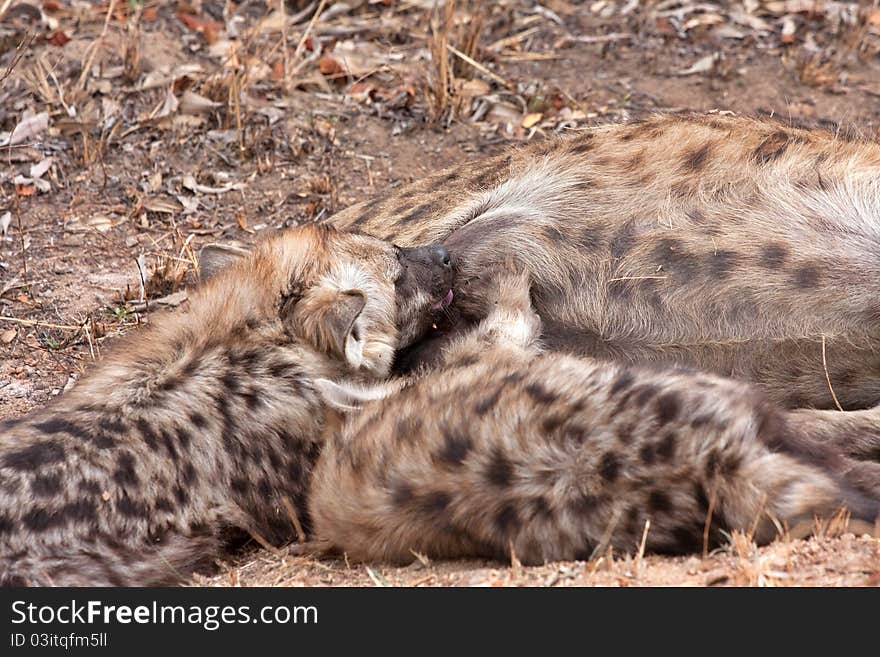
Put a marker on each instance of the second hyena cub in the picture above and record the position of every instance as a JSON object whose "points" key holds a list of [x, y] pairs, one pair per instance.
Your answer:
{"points": [[547, 456]]}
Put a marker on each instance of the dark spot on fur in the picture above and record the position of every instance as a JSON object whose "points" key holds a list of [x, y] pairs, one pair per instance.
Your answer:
{"points": [[46, 485], [773, 256], [722, 263], [772, 147], [401, 494], [591, 239], [583, 504], [40, 519], [11, 423], [643, 394], [647, 454], [184, 438], [189, 475], [168, 442], [487, 403], [696, 216], [90, 487], [198, 420], [609, 467], [368, 212], [540, 508], [34, 457], [417, 213], [731, 464], [408, 429], [500, 470], [552, 422], [695, 159], [507, 519], [151, 438], [131, 509], [700, 421], [59, 425], [668, 408], [540, 394], [125, 474], [583, 144], [112, 426], [456, 446], [623, 382], [240, 485], [713, 462], [182, 494], [659, 502], [164, 504], [623, 241], [435, 502], [665, 448], [807, 276], [674, 257], [554, 235]]}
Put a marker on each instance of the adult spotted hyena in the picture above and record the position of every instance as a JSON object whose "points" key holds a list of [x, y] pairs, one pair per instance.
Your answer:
{"points": [[745, 247], [506, 451], [209, 420]]}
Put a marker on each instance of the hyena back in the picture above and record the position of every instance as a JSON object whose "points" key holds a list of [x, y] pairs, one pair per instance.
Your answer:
{"points": [[208, 423], [745, 247], [547, 457]]}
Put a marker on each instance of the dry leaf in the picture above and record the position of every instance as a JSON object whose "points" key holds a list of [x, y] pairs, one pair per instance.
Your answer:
{"points": [[5, 220], [8, 336], [241, 218], [206, 27], [37, 170], [532, 119], [27, 128], [100, 222], [193, 103]]}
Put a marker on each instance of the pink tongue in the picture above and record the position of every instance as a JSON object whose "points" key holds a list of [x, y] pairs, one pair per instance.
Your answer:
{"points": [[445, 302]]}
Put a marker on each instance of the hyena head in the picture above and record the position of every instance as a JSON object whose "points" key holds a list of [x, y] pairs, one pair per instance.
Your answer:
{"points": [[355, 297]]}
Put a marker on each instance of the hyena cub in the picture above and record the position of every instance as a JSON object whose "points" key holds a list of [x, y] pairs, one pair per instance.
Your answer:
{"points": [[547, 456], [208, 421]]}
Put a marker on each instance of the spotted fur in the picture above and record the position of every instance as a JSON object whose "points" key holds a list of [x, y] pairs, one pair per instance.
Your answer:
{"points": [[506, 451], [207, 424], [739, 246]]}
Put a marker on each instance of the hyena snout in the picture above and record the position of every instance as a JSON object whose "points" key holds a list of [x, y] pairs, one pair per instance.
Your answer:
{"points": [[431, 269]]}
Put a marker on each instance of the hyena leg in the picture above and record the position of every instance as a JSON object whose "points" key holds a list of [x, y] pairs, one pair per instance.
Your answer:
{"points": [[853, 437], [511, 322], [855, 434]]}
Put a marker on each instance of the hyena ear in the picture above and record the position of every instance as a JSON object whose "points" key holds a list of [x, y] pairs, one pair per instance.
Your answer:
{"points": [[346, 396], [216, 256], [328, 319]]}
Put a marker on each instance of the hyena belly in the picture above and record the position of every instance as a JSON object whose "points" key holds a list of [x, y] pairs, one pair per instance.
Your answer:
{"points": [[747, 248], [549, 458]]}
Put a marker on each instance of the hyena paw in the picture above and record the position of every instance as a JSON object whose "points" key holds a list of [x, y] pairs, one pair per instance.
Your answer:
{"points": [[512, 317], [512, 286]]}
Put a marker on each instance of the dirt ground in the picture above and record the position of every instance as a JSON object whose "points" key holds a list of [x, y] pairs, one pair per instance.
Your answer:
{"points": [[133, 132]]}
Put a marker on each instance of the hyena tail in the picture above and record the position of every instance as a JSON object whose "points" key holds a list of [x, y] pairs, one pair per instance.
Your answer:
{"points": [[110, 563]]}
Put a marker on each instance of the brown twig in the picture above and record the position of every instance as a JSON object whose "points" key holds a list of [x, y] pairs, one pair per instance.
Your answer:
{"points": [[37, 322], [828, 376], [19, 53], [294, 518], [305, 35]]}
